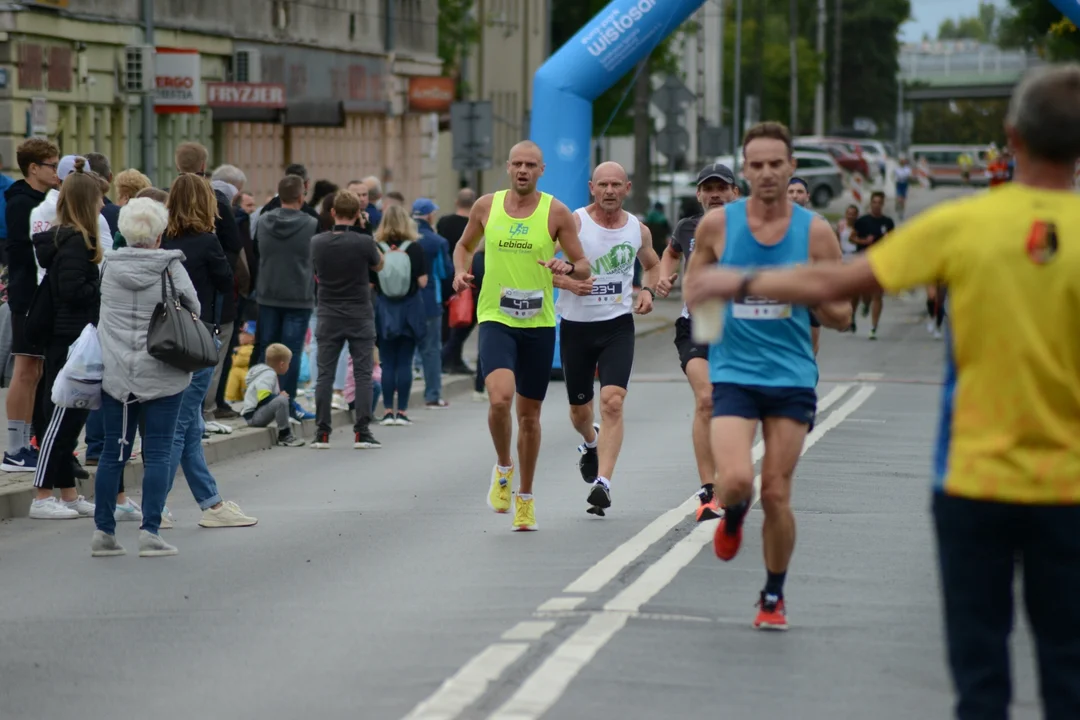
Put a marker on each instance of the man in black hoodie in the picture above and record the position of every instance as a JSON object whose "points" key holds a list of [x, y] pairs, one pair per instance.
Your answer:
{"points": [[38, 159], [301, 172]]}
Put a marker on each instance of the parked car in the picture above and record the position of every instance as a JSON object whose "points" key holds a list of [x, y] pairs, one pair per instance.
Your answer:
{"points": [[822, 175], [845, 152]]}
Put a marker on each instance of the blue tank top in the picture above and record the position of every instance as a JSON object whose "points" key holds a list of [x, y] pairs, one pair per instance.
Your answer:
{"points": [[765, 342]]}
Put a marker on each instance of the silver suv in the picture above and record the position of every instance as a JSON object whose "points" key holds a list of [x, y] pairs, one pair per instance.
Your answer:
{"points": [[823, 176]]}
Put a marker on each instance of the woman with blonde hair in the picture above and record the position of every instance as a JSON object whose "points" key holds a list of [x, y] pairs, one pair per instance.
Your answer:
{"points": [[192, 212], [69, 253], [400, 318], [137, 389]]}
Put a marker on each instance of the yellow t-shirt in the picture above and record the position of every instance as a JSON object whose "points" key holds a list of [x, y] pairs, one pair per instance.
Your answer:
{"points": [[1010, 420]]}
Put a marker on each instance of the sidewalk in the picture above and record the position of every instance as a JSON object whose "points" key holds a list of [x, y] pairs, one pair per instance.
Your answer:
{"points": [[17, 491]]}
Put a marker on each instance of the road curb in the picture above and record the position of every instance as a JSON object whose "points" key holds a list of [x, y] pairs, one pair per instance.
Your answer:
{"points": [[15, 498]]}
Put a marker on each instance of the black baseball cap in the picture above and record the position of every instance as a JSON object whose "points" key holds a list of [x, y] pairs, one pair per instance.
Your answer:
{"points": [[716, 171]]}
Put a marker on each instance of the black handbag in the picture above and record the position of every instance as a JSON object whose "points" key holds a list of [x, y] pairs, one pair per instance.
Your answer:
{"points": [[41, 314], [177, 336]]}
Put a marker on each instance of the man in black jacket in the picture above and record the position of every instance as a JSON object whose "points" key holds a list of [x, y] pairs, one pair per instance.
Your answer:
{"points": [[38, 159], [301, 172]]}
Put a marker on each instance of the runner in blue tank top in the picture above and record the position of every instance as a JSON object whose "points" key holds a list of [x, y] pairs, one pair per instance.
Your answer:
{"points": [[763, 368]]}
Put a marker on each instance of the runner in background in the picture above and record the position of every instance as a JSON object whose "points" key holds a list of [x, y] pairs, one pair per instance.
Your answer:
{"points": [[798, 193], [903, 179]]}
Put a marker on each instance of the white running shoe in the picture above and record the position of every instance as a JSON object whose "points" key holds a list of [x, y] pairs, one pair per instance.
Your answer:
{"points": [[51, 509], [151, 545], [228, 515], [128, 512], [215, 428], [166, 519], [81, 506]]}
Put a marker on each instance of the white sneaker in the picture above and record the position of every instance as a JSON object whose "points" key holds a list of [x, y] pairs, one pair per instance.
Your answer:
{"points": [[166, 519], [128, 512], [339, 402], [81, 506], [151, 545], [51, 509], [930, 326], [215, 428], [228, 515], [479, 397], [105, 545], [937, 334]]}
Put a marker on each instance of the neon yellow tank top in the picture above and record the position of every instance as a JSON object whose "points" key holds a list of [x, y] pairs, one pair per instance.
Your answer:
{"points": [[517, 290]]}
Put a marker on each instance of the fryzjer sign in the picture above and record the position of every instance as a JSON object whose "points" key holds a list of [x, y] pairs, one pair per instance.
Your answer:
{"points": [[245, 95], [177, 85]]}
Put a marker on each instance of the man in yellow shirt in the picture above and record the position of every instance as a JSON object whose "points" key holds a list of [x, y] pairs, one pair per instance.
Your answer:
{"points": [[1007, 461], [516, 313]]}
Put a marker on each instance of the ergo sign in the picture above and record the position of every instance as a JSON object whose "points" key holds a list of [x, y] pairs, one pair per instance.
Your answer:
{"points": [[245, 95], [177, 86]]}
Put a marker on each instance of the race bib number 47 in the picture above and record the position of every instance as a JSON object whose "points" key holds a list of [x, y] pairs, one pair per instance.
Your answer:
{"points": [[521, 303]]}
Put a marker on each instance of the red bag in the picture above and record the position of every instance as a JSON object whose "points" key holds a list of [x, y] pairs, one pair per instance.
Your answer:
{"points": [[461, 309]]}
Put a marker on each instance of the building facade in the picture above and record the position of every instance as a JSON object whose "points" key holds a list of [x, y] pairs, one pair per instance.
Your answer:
{"points": [[513, 44], [261, 83]]}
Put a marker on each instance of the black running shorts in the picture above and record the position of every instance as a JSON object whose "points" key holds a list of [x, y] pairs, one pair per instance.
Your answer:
{"points": [[585, 347], [527, 352], [684, 343]]}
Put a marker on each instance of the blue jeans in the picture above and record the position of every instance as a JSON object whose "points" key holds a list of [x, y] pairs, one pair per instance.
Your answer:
{"points": [[187, 450], [289, 327], [396, 359], [95, 434], [121, 423], [431, 356]]}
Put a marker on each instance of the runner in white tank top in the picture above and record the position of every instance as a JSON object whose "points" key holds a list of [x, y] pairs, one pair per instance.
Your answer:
{"points": [[596, 332]]}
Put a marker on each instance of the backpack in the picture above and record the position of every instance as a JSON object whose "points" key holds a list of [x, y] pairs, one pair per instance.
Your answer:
{"points": [[395, 278]]}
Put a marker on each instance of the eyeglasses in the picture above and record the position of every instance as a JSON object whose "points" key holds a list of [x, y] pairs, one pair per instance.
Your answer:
{"points": [[49, 165]]}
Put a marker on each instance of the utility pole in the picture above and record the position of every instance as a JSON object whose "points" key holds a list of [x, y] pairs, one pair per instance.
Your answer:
{"points": [[736, 117], [793, 42], [720, 81], [819, 89], [149, 141], [838, 22]]}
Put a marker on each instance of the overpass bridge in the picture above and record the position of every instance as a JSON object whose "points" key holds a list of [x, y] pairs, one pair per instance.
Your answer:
{"points": [[960, 70]]}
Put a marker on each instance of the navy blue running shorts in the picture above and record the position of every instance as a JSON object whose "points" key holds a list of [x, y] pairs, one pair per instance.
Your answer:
{"points": [[527, 352], [757, 402]]}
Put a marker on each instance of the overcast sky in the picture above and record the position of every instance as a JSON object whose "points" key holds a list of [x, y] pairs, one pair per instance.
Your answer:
{"points": [[928, 14]]}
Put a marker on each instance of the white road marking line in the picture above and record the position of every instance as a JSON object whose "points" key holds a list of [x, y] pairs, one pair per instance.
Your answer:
{"points": [[621, 557], [545, 686], [529, 630], [561, 603], [469, 683]]}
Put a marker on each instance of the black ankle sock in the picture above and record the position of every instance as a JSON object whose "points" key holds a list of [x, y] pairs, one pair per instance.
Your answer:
{"points": [[706, 492], [734, 515], [774, 583]]}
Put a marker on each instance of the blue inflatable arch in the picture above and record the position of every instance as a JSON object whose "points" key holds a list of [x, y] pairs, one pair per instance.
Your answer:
{"points": [[564, 87]]}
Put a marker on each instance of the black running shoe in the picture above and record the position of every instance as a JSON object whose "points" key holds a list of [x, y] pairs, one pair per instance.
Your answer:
{"points": [[589, 465], [599, 499], [322, 440], [366, 441]]}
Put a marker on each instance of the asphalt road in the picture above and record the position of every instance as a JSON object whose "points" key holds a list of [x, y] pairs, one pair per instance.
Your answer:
{"points": [[377, 584]]}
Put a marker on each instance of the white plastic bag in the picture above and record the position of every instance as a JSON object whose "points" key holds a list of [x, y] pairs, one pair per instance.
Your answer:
{"points": [[78, 384], [84, 357], [76, 394]]}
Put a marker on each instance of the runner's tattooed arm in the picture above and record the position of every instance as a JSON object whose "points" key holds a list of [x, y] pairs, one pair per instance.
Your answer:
{"points": [[470, 238], [825, 249], [650, 266], [564, 232]]}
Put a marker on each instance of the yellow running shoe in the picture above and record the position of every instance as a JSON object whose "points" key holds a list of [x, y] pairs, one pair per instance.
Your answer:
{"points": [[502, 484], [524, 515]]}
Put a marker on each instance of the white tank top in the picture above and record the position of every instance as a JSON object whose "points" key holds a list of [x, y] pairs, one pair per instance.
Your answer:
{"points": [[611, 253]]}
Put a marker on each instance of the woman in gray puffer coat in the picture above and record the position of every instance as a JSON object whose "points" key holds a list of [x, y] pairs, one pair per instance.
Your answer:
{"points": [[136, 385]]}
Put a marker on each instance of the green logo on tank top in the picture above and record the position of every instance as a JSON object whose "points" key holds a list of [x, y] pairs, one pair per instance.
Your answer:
{"points": [[619, 260]]}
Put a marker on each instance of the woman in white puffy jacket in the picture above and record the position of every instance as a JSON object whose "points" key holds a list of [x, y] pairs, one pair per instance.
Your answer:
{"points": [[136, 385]]}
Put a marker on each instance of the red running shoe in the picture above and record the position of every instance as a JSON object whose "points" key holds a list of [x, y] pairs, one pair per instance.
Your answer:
{"points": [[726, 546], [771, 613]]}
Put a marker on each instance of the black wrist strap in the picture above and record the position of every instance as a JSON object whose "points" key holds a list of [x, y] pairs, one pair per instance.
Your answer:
{"points": [[744, 287], [650, 291]]}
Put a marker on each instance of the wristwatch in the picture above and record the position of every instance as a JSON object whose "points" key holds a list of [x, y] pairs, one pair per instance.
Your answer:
{"points": [[651, 291], [744, 287]]}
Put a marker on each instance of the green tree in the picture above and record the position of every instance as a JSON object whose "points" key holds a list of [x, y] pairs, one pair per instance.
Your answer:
{"points": [[983, 26], [1038, 25], [967, 122], [458, 33]]}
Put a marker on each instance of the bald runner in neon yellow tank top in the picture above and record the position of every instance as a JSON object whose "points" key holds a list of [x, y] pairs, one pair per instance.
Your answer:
{"points": [[517, 289], [516, 315]]}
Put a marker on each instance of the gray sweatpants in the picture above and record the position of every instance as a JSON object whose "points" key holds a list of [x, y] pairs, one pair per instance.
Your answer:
{"points": [[332, 333], [277, 411]]}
